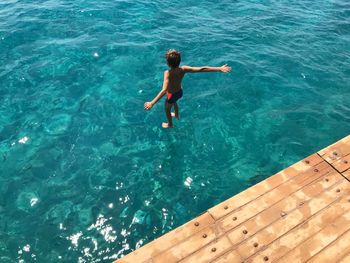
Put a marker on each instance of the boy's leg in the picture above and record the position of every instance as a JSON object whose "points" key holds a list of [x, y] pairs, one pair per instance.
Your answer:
{"points": [[176, 110], [169, 124]]}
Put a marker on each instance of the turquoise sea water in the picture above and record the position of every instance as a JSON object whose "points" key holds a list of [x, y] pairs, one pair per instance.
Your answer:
{"points": [[88, 176]]}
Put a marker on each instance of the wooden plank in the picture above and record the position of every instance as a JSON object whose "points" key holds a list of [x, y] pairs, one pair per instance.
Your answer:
{"points": [[168, 240], [345, 259], [231, 257], [346, 174], [334, 252], [296, 236], [259, 189], [280, 209], [342, 164], [336, 150], [210, 252], [187, 247], [270, 199], [290, 221], [316, 243]]}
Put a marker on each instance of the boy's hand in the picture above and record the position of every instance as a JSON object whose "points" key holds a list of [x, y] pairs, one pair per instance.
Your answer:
{"points": [[148, 105], [225, 68]]}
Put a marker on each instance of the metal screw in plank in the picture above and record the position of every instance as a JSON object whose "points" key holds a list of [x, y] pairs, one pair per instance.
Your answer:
{"points": [[326, 179], [196, 224], [316, 170], [213, 249], [204, 235], [307, 161], [338, 190], [256, 244], [245, 232], [335, 153], [266, 258], [345, 161], [283, 214], [234, 218], [225, 207]]}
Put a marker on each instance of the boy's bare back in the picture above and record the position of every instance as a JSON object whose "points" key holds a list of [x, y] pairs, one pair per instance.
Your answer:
{"points": [[175, 76]]}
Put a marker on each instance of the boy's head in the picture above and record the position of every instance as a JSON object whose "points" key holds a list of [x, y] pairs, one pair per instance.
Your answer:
{"points": [[173, 58]]}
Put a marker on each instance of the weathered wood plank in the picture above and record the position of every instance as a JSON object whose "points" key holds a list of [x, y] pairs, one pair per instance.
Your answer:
{"points": [[261, 188], [316, 243], [298, 235], [231, 257], [346, 174], [187, 247], [345, 259], [210, 252], [290, 221], [337, 150], [168, 240], [280, 209], [334, 252], [342, 164]]}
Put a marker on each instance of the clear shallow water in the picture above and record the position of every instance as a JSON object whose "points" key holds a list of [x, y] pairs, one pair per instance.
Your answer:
{"points": [[86, 175]]}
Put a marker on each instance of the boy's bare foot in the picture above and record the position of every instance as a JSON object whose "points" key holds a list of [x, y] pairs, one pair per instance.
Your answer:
{"points": [[174, 115], [166, 125]]}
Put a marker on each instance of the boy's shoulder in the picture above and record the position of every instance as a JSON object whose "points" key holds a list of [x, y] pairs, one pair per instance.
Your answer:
{"points": [[177, 70]]}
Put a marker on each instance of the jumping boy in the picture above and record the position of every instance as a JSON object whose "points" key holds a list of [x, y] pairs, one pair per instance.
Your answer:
{"points": [[172, 84]]}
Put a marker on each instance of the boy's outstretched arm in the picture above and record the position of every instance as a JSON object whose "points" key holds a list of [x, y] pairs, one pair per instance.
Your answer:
{"points": [[149, 104], [225, 69]]}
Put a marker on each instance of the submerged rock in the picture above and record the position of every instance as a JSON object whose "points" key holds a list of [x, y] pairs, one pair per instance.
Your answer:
{"points": [[58, 124], [85, 216], [139, 217], [59, 212], [26, 200], [99, 178]]}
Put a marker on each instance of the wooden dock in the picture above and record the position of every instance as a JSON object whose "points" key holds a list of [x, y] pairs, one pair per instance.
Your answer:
{"points": [[301, 214]]}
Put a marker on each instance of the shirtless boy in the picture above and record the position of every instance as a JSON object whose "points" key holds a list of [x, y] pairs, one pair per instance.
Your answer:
{"points": [[172, 84]]}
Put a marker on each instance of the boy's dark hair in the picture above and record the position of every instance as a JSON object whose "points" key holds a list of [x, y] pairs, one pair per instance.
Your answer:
{"points": [[173, 58]]}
